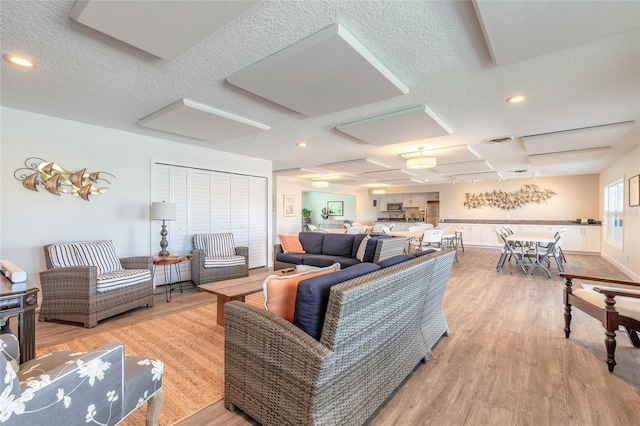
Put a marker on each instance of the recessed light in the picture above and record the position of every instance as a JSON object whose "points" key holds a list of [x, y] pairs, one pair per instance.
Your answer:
{"points": [[19, 61], [515, 99], [302, 144]]}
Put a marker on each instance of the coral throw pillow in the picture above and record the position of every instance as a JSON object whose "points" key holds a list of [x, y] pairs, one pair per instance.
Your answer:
{"points": [[280, 291], [291, 244]]}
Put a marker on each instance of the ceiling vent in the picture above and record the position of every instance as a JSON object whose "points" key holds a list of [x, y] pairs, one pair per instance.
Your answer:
{"points": [[500, 140]]}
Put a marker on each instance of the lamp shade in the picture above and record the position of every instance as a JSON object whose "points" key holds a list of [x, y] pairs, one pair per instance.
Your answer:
{"points": [[421, 163], [163, 211]]}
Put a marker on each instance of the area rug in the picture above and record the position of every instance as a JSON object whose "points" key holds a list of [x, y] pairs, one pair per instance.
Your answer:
{"points": [[191, 346]]}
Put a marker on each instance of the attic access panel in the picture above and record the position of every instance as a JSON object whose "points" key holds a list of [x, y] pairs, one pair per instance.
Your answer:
{"points": [[158, 27], [326, 72], [200, 121]]}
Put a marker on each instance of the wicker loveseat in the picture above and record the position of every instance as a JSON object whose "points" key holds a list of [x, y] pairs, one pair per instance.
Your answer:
{"points": [[377, 329], [86, 282]]}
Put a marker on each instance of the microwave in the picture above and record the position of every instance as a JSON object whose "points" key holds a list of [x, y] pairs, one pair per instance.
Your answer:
{"points": [[394, 207]]}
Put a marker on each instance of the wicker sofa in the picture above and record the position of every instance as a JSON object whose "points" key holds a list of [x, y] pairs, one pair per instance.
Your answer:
{"points": [[77, 288], [324, 249], [377, 329]]}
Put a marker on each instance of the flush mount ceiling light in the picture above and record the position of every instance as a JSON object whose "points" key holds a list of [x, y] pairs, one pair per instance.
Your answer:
{"points": [[319, 184], [516, 99], [19, 61], [378, 191], [301, 144], [420, 161]]}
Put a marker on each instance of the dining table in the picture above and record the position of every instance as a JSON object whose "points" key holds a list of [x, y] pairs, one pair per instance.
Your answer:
{"points": [[528, 241]]}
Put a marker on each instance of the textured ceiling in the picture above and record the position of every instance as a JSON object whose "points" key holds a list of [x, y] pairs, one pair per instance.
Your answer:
{"points": [[437, 49]]}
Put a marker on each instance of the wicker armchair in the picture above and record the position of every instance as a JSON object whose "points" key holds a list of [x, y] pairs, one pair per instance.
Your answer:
{"points": [[81, 294], [216, 258]]}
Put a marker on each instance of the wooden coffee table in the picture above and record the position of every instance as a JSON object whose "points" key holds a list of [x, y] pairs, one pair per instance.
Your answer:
{"points": [[238, 288]]}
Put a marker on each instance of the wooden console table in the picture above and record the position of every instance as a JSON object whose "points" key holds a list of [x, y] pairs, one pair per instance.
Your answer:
{"points": [[20, 299]]}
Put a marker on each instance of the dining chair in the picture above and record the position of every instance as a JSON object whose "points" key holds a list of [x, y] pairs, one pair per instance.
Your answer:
{"points": [[431, 238], [426, 226], [450, 239], [320, 230], [311, 227], [377, 229], [459, 241], [510, 250], [353, 230], [541, 254]]}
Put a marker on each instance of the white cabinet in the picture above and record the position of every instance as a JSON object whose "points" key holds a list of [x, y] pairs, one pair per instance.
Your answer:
{"points": [[415, 200], [585, 239], [390, 198]]}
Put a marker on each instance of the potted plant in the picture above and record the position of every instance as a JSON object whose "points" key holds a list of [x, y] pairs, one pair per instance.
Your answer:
{"points": [[306, 215]]}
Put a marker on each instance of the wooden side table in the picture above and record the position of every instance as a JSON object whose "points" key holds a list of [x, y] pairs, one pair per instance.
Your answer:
{"points": [[167, 261]]}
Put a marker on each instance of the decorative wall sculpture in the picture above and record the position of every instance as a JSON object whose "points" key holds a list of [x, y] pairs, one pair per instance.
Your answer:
{"points": [[508, 200], [50, 176]]}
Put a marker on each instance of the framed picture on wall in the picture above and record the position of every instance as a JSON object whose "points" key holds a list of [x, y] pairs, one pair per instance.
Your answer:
{"points": [[288, 205], [634, 191], [334, 208]]}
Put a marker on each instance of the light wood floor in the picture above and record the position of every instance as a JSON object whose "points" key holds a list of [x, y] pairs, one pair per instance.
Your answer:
{"points": [[506, 362]]}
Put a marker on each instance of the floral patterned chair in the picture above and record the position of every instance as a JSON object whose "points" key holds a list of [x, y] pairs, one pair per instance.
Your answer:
{"points": [[73, 388]]}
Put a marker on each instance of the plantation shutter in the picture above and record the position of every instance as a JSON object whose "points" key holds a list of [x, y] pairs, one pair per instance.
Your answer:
{"points": [[210, 201]]}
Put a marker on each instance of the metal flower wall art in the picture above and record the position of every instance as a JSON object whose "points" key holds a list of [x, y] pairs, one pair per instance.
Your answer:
{"points": [[50, 176], [508, 200]]}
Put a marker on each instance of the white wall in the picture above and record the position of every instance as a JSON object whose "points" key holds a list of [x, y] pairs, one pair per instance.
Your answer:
{"points": [[576, 197], [627, 259], [31, 219]]}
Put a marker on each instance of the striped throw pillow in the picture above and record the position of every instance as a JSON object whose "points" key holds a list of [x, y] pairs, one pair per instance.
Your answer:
{"points": [[63, 255], [101, 254], [215, 245]]}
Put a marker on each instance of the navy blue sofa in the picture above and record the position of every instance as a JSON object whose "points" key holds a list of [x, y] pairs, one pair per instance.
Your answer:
{"points": [[325, 249]]}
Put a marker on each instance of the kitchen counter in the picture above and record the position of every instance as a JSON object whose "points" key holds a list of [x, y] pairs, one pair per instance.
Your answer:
{"points": [[521, 222]]}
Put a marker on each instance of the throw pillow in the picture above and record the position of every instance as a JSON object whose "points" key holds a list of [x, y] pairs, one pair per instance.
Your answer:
{"points": [[362, 248], [63, 255], [291, 244], [280, 291], [101, 254]]}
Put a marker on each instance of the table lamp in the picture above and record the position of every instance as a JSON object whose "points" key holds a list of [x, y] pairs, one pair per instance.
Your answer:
{"points": [[163, 211]]}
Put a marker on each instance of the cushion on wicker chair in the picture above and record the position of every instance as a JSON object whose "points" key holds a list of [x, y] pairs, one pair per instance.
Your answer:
{"points": [[124, 278], [101, 254], [223, 262], [63, 255], [215, 245]]}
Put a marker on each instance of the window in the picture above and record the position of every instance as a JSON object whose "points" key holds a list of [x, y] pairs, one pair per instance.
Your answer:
{"points": [[613, 212]]}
